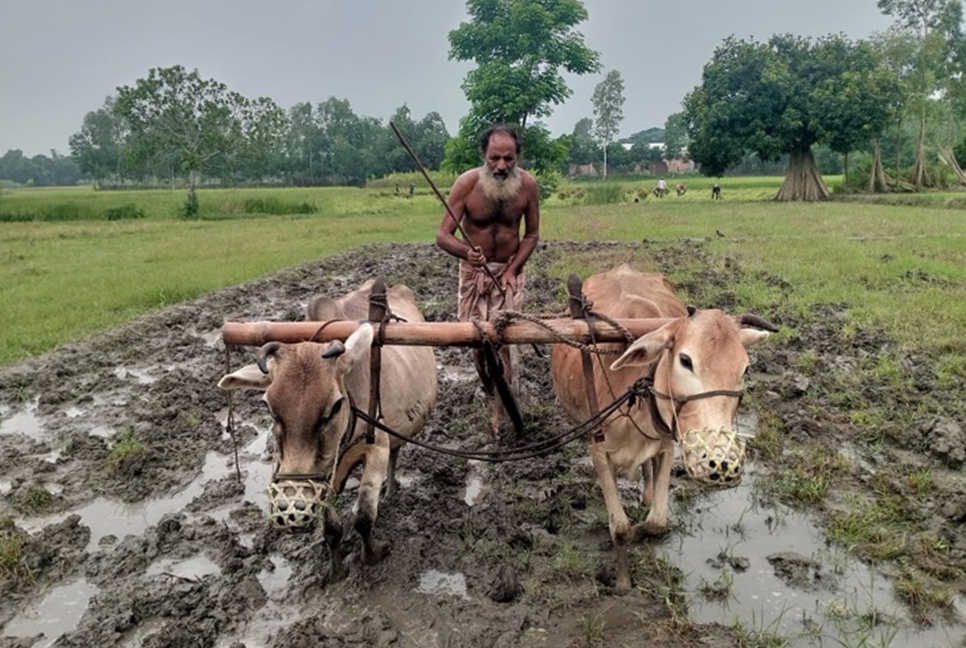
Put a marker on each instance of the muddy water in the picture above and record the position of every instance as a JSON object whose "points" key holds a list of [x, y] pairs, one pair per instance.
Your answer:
{"points": [[482, 555]]}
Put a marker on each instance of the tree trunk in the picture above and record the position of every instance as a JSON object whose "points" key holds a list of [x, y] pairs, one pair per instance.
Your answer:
{"points": [[605, 162], [898, 147], [802, 179], [949, 157], [919, 172], [877, 182]]}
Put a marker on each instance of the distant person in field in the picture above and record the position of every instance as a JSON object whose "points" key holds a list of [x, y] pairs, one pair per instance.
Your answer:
{"points": [[680, 190], [716, 192], [661, 188], [412, 190], [492, 202], [397, 190]]}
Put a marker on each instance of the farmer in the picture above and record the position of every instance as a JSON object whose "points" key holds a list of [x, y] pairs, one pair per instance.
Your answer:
{"points": [[716, 192], [412, 190], [661, 188], [492, 201]]}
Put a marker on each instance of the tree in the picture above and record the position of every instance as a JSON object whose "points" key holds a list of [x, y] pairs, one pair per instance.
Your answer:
{"points": [[200, 122], [856, 103], [675, 135], [937, 26], [99, 145], [771, 99], [583, 150], [521, 49], [608, 100]]}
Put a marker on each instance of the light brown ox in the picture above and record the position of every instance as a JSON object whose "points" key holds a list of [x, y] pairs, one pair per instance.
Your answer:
{"points": [[309, 388], [695, 354]]}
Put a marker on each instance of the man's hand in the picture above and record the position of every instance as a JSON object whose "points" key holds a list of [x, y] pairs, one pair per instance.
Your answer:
{"points": [[475, 256], [509, 281]]}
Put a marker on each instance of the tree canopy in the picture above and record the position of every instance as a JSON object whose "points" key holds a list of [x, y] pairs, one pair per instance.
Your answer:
{"points": [[521, 49], [608, 100], [782, 97]]}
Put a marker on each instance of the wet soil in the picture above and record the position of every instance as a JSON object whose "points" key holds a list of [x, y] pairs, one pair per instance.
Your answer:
{"points": [[124, 522]]}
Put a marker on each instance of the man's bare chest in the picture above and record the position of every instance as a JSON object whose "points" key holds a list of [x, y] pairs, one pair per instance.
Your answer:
{"points": [[484, 212]]}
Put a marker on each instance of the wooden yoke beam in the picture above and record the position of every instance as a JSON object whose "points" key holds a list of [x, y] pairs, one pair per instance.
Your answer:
{"points": [[434, 333]]}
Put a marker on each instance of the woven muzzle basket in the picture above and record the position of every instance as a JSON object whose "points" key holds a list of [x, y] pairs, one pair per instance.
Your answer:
{"points": [[713, 456], [296, 504]]}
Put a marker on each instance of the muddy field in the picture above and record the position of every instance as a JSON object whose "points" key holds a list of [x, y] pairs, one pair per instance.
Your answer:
{"points": [[123, 521]]}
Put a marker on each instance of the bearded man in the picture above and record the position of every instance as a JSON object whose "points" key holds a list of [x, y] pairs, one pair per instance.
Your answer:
{"points": [[491, 201]]}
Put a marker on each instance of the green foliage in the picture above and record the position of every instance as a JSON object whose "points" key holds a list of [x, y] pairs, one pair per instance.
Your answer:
{"points": [[608, 100], [124, 212], [276, 206], [548, 182], [520, 48], [675, 135], [782, 97], [12, 544], [191, 207], [609, 193], [125, 455]]}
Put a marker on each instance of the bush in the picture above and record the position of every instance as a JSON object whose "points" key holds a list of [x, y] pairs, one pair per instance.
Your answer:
{"points": [[277, 207], [191, 206], [604, 194], [57, 212], [124, 212], [402, 180], [547, 182]]}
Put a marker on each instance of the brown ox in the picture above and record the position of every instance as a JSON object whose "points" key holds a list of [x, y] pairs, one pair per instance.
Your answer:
{"points": [[680, 189], [694, 354], [310, 390]]}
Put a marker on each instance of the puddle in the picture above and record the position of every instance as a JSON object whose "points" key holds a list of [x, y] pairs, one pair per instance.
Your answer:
{"points": [[212, 338], [107, 517], [194, 567], [136, 637], [730, 527], [25, 422], [59, 612], [142, 376], [474, 484], [5, 487], [275, 582], [437, 582]]}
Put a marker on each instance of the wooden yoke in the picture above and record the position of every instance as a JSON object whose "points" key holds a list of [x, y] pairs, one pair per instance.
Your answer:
{"points": [[378, 304], [577, 310]]}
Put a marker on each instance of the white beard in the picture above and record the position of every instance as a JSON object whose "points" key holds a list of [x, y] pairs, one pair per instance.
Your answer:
{"points": [[499, 190]]}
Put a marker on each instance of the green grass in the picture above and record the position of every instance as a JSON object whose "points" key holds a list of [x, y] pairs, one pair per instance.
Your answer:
{"points": [[900, 268]]}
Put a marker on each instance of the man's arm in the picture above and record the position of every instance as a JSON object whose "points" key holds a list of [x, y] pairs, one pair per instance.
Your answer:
{"points": [[531, 235], [446, 234]]}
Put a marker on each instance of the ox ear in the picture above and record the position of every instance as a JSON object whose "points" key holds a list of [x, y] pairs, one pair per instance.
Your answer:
{"points": [[248, 377], [646, 349], [356, 345], [750, 337]]}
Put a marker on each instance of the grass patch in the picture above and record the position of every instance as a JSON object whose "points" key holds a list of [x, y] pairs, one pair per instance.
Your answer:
{"points": [[277, 206], [35, 500], [13, 569], [604, 194], [126, 455]]}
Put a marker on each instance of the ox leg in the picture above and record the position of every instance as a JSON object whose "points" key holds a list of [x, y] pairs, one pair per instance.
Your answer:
{"points": [[366, 508], [391, 484], [647, 482], [332, 529], [656, 521], [620, 527]]}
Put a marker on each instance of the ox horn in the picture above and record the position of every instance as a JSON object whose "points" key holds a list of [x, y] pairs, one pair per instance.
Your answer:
{"points": [[334, 351], [757, 322], [267, 350]]}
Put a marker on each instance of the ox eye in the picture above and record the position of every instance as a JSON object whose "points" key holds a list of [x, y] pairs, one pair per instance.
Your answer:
{"points": [[686, 362], [336, 408]]}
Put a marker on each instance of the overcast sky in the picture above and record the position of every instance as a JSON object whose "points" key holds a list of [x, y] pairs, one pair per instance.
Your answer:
{"points": [[60, 59]]}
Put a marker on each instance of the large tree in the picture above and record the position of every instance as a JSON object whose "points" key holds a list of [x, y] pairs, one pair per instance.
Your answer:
{"points": [[675, 135], [98, 147], [206, 127], [521, 49], [937, 25], [608, 100], [771, 99]]}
